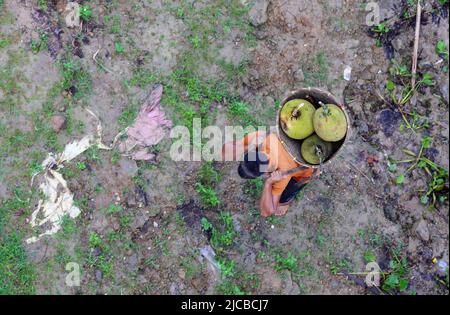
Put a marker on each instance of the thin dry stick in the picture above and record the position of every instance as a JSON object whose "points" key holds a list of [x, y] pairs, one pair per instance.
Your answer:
{"points": [[94, 57], [416, 44], [348, 164]]}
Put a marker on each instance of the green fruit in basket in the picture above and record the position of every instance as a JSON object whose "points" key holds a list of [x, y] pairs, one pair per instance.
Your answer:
{"points": [[315, 150], [330, 123], [296, 119]]}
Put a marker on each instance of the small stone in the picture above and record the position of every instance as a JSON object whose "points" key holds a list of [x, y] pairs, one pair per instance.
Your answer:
{"points": [[58, 122], [413, 245], [182, 274], [155, 224], [138, 221], [261, 34], [439, 246], [422, 230], [390, 212], [153, 212], [62, 108], [397, 44], [258, 13], [299, 75], [444, 91], [128, 167], [131, 201], [133, 261], [352, 44], [348, 73], [174, 289]]}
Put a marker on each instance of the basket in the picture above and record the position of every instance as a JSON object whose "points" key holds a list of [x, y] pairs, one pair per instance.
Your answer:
{"points": [[292, 146]]}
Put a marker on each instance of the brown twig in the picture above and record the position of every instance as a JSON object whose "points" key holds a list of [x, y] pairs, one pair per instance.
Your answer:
{"points": [[348, 164], [416, 44]]}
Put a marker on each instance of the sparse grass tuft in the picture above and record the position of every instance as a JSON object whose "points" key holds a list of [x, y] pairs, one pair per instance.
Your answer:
{"points": [[76, 80], [85, 12], [317, 72], [17, 276], [100, 255], [286, 263], [207, 195]]}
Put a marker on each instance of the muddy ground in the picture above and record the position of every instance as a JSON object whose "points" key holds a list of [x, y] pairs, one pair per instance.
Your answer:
{"points": [[142, 228]]}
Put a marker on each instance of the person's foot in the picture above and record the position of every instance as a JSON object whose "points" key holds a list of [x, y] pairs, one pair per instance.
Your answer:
{"points": [[282, 210]]}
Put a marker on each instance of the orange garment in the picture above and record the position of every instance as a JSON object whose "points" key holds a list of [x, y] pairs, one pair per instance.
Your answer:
{"points": [[279, 158]]}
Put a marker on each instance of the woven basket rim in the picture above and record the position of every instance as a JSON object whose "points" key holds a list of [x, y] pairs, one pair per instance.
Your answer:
{"points": [[320, 95]]}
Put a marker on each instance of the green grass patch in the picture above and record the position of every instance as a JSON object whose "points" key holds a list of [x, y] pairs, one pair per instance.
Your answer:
{"points": [[76, 79], [222, 236], [208, 175], [208, 195], [317, 72], [17, 275], [39, 44], [288, 262], [100, 256]]}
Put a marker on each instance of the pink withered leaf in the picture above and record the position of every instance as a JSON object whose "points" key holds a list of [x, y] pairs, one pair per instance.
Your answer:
{"points": [[149, 127], [142, 155]]}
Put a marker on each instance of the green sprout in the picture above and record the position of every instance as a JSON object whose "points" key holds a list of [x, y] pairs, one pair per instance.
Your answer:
{"points": [[381, 28], [407, 92], [441, 49], [85, 13]]}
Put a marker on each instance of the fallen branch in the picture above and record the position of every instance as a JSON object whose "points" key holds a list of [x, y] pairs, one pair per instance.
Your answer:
{"points": [[416, 44]]}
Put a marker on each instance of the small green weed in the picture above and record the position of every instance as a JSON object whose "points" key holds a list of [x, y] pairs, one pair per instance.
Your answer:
{"points": [[99, 254], [119, 48], [441, 49], [208, 175], [223, 237], [289, 262], [317, 72], [113, 208], [396, 277], [230, 288], [437, 174], [39, 44], [208, 195], [254, 187], [76, 80], [381, 28], [85, 13]]}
